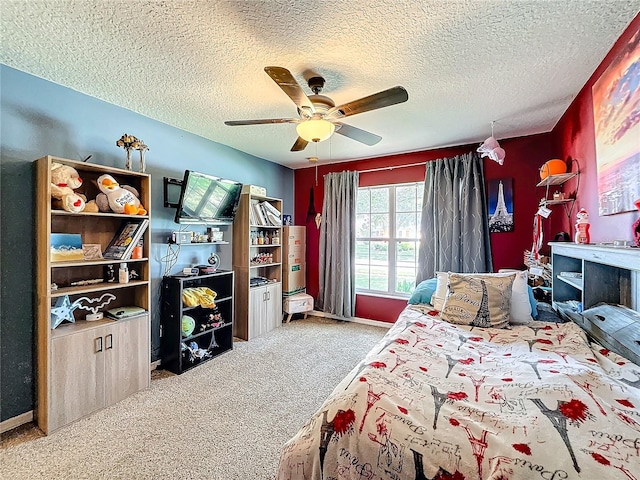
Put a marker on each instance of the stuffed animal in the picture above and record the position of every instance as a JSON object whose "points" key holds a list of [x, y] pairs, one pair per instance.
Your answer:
{"points": [[64, 180], [117, 198]]}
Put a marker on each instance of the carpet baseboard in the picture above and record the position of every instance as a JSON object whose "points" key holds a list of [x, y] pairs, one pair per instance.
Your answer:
{"points": [[365, 321], [13, 422]]}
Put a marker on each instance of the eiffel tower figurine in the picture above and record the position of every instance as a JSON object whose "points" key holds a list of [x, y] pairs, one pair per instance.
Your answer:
{"points": [[483, 318]]}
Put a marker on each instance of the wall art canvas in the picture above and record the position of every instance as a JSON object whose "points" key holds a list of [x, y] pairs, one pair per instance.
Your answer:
{"points": [[500, 205], [66, 247], [616, 115]]}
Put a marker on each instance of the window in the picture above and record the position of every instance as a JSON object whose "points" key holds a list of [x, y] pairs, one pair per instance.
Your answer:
{"points": [[388, 238]]}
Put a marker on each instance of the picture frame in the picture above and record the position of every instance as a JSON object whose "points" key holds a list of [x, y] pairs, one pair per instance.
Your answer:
{"points": [[92, 251], [617, 128], [500, 198], [66, 247]]}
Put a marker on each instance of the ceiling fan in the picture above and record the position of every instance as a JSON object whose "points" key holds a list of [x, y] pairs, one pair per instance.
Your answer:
{"points": [[318, 114]]}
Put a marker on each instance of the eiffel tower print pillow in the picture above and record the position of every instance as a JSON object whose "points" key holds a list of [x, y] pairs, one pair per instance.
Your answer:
{"points": [[478, 301]]}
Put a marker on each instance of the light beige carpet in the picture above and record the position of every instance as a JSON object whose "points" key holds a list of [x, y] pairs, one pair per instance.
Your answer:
{"points": [[226, 419]]}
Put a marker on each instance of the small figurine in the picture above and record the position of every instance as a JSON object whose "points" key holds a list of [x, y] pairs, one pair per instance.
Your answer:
{"points": [[582, 227], [636, 225]]}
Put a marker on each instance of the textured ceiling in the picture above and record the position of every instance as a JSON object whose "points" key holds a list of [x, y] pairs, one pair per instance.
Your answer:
{"points": [[194, 63]]}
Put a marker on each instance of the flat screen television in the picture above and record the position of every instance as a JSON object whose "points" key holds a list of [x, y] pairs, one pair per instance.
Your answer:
{"points": [[207, 200]]}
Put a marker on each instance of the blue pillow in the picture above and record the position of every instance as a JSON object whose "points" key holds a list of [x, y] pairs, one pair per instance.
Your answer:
{"points": [[423, 292], [533, 302]]}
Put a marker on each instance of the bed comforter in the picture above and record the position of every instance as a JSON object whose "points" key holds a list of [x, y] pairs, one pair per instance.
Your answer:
{"points": [[439, 401]]}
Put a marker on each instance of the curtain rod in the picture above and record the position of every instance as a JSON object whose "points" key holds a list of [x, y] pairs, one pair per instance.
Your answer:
{"points": [[393, 167]]}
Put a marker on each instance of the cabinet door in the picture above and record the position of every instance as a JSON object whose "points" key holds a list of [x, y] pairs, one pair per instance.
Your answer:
{"points": [[274, 306], [257, 299], [127, 358], [77, 376]]}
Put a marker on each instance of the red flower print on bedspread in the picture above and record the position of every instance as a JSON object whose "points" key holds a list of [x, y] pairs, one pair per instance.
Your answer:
{"points": [[625, 402], [522, 448], [378, 365], [574, 410], [343, 421]]}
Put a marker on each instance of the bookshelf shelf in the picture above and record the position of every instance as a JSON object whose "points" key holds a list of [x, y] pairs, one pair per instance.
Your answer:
{"points": [[97, 287], [98, 214], [198, 244], [104, 261]]}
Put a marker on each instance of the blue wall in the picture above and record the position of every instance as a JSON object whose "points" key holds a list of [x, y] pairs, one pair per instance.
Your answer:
{"points": [[40, 118]]}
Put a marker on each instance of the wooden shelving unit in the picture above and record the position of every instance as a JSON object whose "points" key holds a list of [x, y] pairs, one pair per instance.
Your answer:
{"points": [[557, 180], [87, 365], [259, 307]]}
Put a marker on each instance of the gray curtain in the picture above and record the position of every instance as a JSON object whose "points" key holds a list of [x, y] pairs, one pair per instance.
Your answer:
{"points": [[455, 221], [337, 293]]}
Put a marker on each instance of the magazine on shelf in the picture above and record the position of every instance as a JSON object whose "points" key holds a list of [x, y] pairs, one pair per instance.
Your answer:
{"points": [[125, 240]]}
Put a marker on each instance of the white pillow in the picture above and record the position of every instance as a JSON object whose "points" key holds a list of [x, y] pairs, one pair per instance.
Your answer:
{"points": [[520, 304], [440, 295], [520, 313]]}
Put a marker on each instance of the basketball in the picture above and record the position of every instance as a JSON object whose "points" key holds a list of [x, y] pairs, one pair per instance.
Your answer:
{"points": [[553, 167]]}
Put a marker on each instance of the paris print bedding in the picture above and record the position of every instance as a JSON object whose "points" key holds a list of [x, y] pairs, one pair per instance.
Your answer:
{"points": [[435, 400]]}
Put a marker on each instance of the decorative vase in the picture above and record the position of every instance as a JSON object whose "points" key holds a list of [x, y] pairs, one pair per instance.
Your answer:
{"points": [[142, 148], [127, 164]]}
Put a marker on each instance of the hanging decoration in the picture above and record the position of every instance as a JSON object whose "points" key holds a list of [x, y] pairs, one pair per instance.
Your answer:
{"points": [[311, 210], [491, 148]]}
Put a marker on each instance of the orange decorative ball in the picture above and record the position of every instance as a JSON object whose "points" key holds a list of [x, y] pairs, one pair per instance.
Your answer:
{"points": [[553, 167]]}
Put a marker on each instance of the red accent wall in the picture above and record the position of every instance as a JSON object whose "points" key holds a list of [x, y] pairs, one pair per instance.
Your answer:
{"points": [[524, 157], [575, 135], [572, 138]]}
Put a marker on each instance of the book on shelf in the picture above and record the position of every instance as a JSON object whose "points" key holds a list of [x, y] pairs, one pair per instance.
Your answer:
{"points": [[270, 208], [258, 214], [123, 243], [274, 219], [264, 214]]}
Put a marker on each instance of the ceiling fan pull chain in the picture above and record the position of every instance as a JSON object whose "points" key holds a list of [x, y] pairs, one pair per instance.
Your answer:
{"points": [[316, 163]]}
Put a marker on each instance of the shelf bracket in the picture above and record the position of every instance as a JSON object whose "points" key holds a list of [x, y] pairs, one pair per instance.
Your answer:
{"points": [[175, 185]]}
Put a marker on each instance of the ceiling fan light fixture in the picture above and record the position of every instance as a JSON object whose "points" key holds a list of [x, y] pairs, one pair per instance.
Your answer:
{"points": [[315, 130]]}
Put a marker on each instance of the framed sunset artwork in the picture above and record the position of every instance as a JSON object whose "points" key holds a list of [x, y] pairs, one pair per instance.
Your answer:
{"points": [[616, 115]]}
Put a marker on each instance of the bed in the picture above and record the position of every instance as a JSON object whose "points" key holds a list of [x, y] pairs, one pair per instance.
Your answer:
{"points": [[436, 400]]}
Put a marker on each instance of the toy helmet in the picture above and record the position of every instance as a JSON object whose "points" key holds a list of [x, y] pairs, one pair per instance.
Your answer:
{"points": [[188, 325]]}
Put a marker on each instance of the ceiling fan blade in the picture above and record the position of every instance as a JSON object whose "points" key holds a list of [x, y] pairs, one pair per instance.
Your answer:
{"points": [[234, 123], [288, 84], [300, 145], [372, 102], [357, 134]]}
